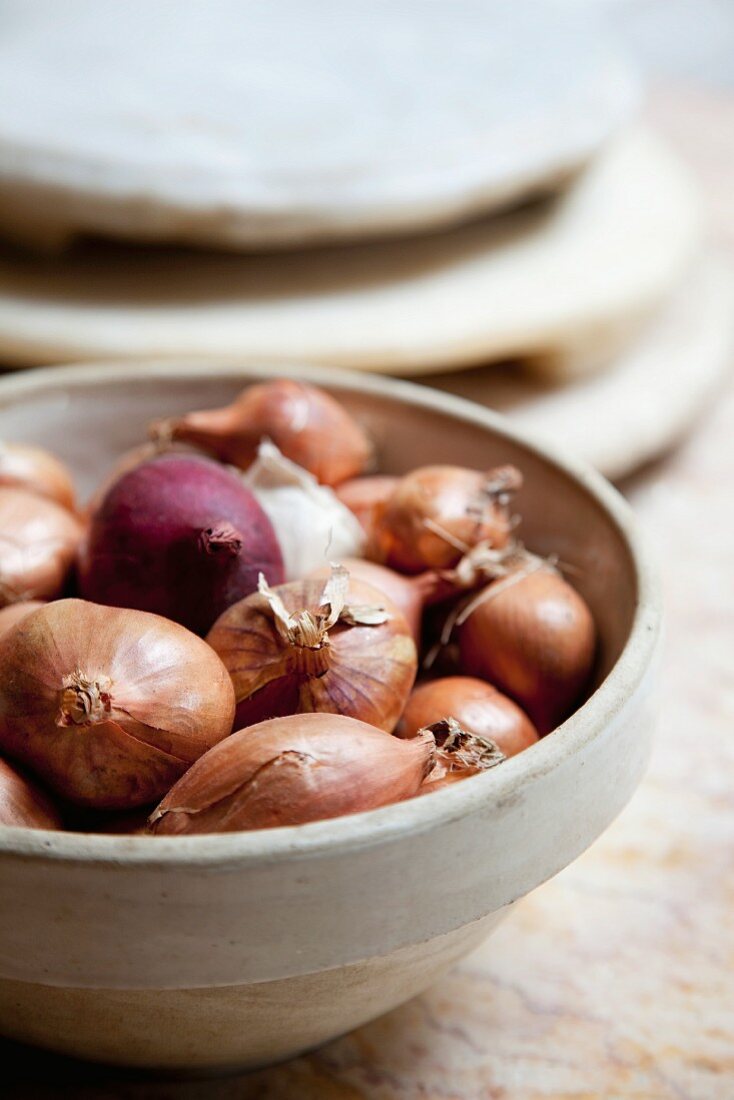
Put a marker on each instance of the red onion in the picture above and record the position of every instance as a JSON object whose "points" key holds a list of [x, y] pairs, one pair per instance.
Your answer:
{"points": [[180, 536]]}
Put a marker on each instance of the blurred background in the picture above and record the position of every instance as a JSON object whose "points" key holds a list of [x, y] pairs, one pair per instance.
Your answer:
{"points": [[561, 249]]}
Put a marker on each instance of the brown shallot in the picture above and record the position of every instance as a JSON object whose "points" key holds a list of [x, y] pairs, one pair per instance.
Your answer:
{"points": [[288, 771], [38, 545], [304, 422], [37, 471], [437, 513], [109, 706], [476, 705], [338, 646], [533, 636]]}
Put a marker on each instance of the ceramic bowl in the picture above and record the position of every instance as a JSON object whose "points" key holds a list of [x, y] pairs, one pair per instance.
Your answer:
{"points": [[216, 952]]}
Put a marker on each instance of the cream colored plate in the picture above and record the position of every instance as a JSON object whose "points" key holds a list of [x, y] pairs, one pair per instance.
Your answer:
{"points": [[244, 123], [645, 401], [565, 279]]}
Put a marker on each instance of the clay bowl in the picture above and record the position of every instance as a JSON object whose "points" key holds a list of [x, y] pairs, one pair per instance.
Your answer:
{"points": [[208, 953]]}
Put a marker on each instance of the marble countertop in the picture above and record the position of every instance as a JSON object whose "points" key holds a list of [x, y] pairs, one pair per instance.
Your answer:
{"points": [[616, 979]]}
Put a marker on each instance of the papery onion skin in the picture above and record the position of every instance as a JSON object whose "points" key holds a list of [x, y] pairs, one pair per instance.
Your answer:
{"points": [[369, 670], [477, 706], [290, 771], [23, 803], [535, 640], [366, 498], [405, 593], [14, 612], [304, 422], [109, 706], [39, 540], [435, 508], [37, 471], [311, 524], [179, 536]]}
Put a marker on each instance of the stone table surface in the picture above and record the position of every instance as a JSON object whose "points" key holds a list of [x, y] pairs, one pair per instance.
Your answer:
{"points": [[616, 979]]}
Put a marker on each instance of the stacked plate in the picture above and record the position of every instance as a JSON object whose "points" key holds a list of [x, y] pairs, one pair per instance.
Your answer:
{"points": [[404, 187]]}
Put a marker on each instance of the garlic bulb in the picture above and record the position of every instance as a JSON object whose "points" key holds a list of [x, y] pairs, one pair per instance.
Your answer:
{"points": [[311, 523]]}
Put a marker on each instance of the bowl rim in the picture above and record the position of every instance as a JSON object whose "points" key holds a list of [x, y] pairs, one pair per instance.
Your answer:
{"points": [[373, 827]]}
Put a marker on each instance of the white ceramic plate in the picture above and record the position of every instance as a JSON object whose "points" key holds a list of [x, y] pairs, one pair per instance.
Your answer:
{"points": [[565, 279], [242, 123], [647, 397]]}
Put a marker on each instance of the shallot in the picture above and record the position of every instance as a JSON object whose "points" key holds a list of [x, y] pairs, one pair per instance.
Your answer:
{"points": [[38, 545], [306, 424], [109, 706], [478, 708], [37, 471], [339, 647], [533, 636], [289, 771], [437, 513]]}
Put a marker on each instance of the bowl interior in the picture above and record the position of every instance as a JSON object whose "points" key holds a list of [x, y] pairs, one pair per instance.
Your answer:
{"points": [[90, 415]]}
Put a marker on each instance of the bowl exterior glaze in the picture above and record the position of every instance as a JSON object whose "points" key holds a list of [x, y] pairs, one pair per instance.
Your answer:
{"points": [[236, 950]]}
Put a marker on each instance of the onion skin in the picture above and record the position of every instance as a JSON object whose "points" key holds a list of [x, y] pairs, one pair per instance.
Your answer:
{"points": [[37, 471], [14, 612], [109, 706], [289, 771], [362, 672], [468, 506], [179, 536], [405, 593], [306, 425], [23, 803], [366, 497], [476, 705], [38, 544], [535, 640]]}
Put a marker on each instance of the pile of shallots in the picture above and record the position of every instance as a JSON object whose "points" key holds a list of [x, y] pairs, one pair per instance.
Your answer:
{"points": [[228, 636]]}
